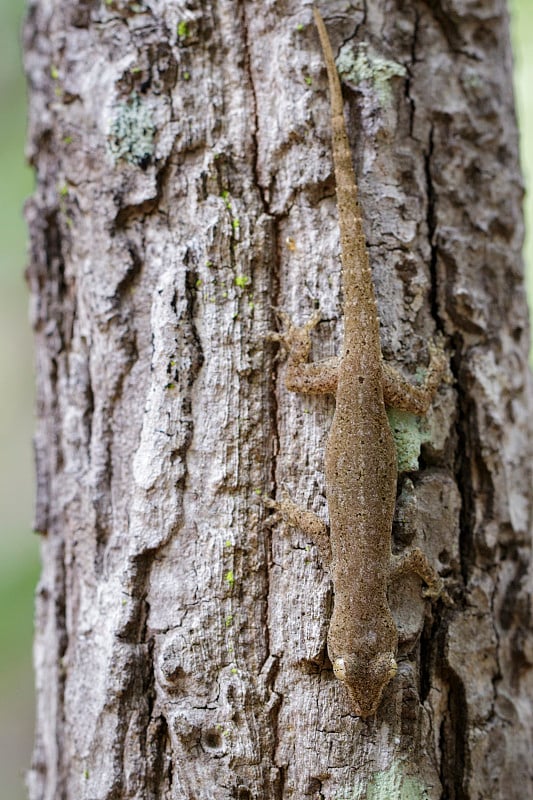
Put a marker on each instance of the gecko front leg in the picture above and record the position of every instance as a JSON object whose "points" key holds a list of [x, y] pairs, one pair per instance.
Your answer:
{"points": [[416, 561], [307, 521]]}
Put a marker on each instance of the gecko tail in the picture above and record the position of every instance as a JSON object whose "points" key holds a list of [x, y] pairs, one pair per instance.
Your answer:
{"points": [[335, 91]]}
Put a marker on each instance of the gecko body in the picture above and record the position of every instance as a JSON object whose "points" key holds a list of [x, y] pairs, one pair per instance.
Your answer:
{"points": [[360, 461], [360, 458]]}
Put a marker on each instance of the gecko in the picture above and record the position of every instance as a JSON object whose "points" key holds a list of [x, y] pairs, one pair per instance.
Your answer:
{"points": [[360, 457]]}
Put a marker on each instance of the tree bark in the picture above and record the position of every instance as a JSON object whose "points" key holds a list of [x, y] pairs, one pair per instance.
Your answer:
{"points": [[184, 187]]}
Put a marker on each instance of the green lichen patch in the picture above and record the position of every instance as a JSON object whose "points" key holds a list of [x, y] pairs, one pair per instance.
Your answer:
{"points": [[365, 66], [183, 29], [410, 433], [131, 137], [229, 577], [242, 281]]}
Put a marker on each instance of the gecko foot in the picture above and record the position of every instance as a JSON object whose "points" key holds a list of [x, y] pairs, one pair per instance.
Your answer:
{"points": [[401, 394], [295, 339], [438, 358]]}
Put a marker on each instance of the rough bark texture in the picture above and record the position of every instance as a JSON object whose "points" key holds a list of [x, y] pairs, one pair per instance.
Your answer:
{"points": [[184, 186]]}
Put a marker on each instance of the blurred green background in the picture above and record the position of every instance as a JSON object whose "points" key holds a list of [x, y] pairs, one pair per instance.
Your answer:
{"points": [[18, 546]]}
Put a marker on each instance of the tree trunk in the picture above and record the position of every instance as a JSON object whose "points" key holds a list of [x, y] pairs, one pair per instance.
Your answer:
{"points": [[184, 188]]}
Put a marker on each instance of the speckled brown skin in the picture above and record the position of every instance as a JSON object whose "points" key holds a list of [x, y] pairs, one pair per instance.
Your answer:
{"points": [[360, 461]]}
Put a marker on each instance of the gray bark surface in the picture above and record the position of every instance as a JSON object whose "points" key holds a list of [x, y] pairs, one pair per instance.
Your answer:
{"points": [[184, 187]]}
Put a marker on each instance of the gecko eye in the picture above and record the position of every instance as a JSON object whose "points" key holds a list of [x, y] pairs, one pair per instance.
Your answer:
{"points": [[384, 667], [339, 669], [393, 669]]}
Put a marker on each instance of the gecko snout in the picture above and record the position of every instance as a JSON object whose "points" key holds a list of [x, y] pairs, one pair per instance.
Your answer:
{"points": [[365, 679]]}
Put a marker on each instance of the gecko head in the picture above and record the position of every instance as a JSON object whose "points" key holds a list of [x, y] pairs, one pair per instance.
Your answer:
{"points": [[365, 679]]}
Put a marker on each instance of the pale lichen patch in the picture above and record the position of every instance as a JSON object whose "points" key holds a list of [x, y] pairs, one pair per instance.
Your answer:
{"points": [[132, 130], [387, 784], [410, 433], [366, 66]]}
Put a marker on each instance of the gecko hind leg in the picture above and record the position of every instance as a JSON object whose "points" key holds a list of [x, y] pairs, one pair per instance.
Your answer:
{"points": [[416, 561], [307, 521], [301, 376], [399, 393]]}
